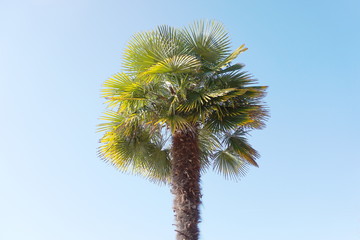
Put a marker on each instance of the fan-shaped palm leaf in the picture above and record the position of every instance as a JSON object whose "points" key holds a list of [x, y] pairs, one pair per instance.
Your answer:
{"points": [[238, 144], [208, 40], [229, 164], [175, 64]]}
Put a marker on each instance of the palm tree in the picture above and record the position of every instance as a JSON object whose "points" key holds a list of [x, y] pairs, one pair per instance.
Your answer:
{"points": [[179, 107]]}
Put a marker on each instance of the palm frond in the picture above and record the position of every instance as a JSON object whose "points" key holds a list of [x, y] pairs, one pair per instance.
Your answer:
{"points": [[219, 122], [238, 143], [231, 57], [115, 85], [197, 100], [113, 119], [155, 160], [140, 54], [142, 154], [208, 40], [208, 143], [228, 164], [149, 48], [175, 122], [175, 64], [124, 92], [231, 79], [231, 68]]}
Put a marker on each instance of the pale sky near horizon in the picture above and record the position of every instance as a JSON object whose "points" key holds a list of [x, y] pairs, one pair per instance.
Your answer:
{"points": [[54, 57]]}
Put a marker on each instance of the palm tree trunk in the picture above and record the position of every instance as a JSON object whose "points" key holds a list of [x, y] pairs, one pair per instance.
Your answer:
{"points": [[186, 184]]}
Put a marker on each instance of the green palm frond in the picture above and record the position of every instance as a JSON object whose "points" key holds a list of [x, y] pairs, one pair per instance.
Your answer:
{"points": [[114, 85], [124, 92], [168, 33], [158, 168], [175, 122], [238, 144], [141, 154], [222, 92], [231, 79], [144, 50], [231, 111], [149, 48], [218, 122], [116, 151], [208, 40], [231, 68], [175, 64], [229, 164], [223, 95], [255, 93], [172, 37], [197, 100], [113, 119], [208, 143], [231, 57], [154, 159]]}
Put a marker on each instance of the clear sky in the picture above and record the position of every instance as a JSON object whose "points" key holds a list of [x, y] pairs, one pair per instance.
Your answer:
{"points": [[54, 57]]}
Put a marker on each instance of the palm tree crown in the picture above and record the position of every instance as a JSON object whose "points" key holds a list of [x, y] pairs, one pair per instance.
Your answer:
{"points": [[177, 79]]}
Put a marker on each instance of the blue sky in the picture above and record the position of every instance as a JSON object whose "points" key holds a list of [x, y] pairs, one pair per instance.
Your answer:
{"points": [[54, 57]]}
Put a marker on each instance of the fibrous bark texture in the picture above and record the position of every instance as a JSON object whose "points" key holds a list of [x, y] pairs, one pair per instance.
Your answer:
{"points": [[186, 184]]}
